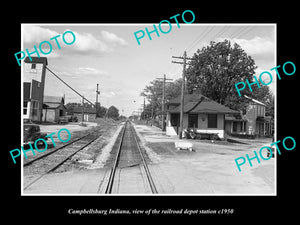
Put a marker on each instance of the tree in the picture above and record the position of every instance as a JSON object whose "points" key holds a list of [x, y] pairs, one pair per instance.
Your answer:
{"points": [[70, 107], [153, 93], [113, 112], [216, 69], [270, 103], [101, 111]]}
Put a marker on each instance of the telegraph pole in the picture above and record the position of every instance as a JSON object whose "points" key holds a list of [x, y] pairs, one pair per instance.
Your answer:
{"points": [[82, 115], [97, 93], [163, 101], [182, 89], [144, 107]]}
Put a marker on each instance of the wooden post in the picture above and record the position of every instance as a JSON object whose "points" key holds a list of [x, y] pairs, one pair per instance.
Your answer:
{"points": [[182, 97], [182, 90], [97, 93], [82, 117]]}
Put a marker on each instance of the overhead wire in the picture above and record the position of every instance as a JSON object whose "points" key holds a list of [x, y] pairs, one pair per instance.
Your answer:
{"points": [[69, 86], [237, 33]]}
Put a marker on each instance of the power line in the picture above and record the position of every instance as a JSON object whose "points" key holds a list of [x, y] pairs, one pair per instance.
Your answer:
{"points": [[246, 32], [205, 34], [197, 38], [69, 86], [238, 32]]}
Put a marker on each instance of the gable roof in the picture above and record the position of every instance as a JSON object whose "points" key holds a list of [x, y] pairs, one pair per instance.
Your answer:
{"points": [[53, 99], [188, 98], [53, 102], [35, 59], [197, 103]]}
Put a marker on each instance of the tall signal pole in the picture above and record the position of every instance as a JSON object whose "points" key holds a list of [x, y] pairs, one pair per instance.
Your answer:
{"points": [[163, 101], [82, 113], [97, 93], [182, 90]]}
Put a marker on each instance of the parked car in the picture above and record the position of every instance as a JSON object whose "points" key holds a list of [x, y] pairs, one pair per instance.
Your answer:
{"points": [[62, 120], [27, 121], [32, 132], [71, 118]]}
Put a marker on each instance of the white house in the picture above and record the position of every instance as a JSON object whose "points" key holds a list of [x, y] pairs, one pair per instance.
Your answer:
{"points": [[253, 121]]}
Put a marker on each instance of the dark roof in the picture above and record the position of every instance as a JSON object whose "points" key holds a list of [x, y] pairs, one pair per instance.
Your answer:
{"points": [[53, 99], [36, 60], [188, 98], [51, 105], [86, 110], [197, 103], [52, 102]]}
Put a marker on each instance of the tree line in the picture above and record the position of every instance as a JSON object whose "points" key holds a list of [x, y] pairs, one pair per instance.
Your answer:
{"points": [[101, 111]]}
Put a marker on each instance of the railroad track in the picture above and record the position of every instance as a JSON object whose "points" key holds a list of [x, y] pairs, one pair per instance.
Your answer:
{"points": [[71, 149], [126, 171], [130, 168], [59, 148]]}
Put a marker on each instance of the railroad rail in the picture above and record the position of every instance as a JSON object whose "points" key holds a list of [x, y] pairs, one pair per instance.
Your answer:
{"points": [[66, 158], [111, 180], [59, 148]]}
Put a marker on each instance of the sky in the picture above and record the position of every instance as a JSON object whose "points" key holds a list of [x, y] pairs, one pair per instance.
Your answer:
{"points": [[108, 54]]}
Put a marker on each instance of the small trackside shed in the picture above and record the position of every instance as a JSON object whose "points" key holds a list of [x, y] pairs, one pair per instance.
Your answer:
{"points": [[200, 113], [53, 108], [89, 113]]}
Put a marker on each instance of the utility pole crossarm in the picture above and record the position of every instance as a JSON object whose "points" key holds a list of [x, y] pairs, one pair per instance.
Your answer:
{"points": [[177, 62], [180, 57], [187, 63]]}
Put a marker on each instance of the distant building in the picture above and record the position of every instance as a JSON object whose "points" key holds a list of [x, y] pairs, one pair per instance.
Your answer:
{"points": [[53, 108], [200, 113], [253, 121], [89, 113], [33, 87]]}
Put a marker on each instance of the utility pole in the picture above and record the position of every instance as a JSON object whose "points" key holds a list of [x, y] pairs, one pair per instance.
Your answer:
{"points": [[163, 101], [97, 93], [82, 116], [182, 89], [144, 107]]}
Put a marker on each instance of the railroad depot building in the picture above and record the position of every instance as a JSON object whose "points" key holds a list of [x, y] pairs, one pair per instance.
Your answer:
{"points": [[200, 112], [33, 87]]}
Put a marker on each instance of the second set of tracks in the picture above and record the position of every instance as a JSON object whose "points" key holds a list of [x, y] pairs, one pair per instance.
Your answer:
{"points": [[126, 169]]}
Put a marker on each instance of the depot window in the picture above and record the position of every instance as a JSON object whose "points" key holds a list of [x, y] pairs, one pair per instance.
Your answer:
{"points": [[212, 121]]}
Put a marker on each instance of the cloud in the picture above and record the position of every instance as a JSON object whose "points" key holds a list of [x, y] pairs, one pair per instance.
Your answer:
{"points": [[99, 43], [112, 38], [90, 70], [105, 42], [33, 34], [257, 46]]}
